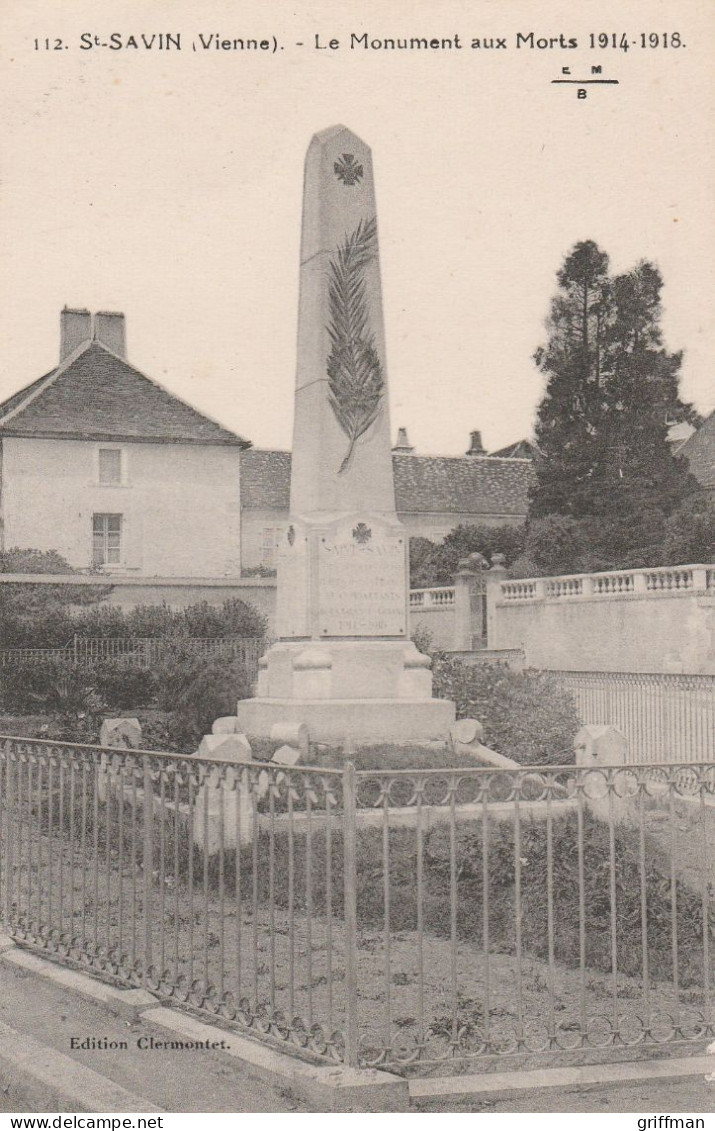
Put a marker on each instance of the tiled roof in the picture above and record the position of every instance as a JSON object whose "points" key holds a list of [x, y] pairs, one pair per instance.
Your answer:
{"points": [[97, 395], [461, 484], [265, 480], [478, 485], [700, 452], [522, 449]]}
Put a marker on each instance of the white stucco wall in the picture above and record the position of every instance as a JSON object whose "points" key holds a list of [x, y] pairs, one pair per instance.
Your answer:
{"points": [[254, 523], [658, 633], [180, 504]]}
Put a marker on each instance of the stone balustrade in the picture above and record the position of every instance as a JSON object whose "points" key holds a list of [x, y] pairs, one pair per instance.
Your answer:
{"points": [[519, 590], [439, 597], [612, 583]]}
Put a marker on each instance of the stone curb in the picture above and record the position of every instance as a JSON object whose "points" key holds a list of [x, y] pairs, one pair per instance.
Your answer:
{"points": [[128, 1004], [589, 1076], [45, 1080], [324, 1087]]}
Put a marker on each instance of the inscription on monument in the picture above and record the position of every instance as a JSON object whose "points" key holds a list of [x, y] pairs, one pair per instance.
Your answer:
{"points": [[362, 585]]}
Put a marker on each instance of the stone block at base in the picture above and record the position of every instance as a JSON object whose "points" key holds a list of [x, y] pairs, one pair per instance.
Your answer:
{"points": [[333, 721]]}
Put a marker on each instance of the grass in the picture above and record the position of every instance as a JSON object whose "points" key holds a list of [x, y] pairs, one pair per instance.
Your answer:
{"points": [[552, 900]]}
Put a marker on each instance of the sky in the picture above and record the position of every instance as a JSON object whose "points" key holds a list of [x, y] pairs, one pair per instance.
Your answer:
{"points": [[168, 185]]}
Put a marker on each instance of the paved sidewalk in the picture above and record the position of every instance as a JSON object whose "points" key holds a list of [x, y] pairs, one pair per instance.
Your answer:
{"points": [[173, 1080]]}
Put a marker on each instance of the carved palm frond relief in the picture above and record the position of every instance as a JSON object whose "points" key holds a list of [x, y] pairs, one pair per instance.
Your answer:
{"points": [[355, 377]]}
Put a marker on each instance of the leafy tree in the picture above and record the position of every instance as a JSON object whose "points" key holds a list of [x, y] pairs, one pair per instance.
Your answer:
{"points": [[432, 564], [612, 393]]}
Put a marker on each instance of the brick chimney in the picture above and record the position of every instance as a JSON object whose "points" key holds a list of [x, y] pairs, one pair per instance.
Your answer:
{"points": [[110, 331], [403, 444], [75, 330], [476, 447]]}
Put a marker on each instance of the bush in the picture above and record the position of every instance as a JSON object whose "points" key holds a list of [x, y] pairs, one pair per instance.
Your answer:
{"points": [[107, 621], [596, 872], [17, 560], [690, 532], [233, 618], [422, 639], [558, 544], [198, 689], [258, 571], [56, 687], [533, 853], [525, 715], [160, 622], [121, 685], [524, 566], [50, 686]]}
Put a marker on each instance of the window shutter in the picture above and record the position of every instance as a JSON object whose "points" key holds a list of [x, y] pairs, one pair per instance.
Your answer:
{"points": [[132, 539]]}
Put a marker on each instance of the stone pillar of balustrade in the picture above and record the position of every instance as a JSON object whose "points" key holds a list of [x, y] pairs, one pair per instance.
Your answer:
{"points": [[700, 577], [639, 582], [467, 604], [494, 578]]}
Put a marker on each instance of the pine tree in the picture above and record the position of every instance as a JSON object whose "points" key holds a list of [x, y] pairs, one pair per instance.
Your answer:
{"points": [[611, 396], [567, 424]]}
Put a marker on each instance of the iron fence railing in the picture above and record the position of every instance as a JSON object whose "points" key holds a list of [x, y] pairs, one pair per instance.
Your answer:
{"points": [[665, 717], [142, 652], [409, 919]]}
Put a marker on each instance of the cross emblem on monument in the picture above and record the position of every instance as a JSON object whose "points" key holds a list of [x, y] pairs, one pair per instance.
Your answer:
{"points": [[348, 170]]}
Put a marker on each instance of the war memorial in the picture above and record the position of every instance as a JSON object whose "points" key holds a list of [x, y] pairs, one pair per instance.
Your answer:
{"points": [[343, 663]]}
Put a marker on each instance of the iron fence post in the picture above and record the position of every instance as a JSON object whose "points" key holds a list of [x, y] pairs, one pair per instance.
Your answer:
{"points": [[350, 912], [9, 834], [148, 864]]}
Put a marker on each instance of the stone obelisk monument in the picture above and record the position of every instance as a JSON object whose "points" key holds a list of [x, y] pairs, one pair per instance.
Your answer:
{"points": [[343, 663]]}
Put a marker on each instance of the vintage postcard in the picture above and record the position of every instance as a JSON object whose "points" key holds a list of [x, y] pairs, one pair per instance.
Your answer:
{"points": [[357, 596]]}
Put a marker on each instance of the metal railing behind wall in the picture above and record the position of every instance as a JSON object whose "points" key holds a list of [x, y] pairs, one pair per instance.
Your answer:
{"points": [[664, 717], [409, 919], [139, 652]]}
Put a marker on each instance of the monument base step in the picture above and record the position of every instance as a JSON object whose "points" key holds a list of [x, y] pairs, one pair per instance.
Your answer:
{"points": [[335, 721]]}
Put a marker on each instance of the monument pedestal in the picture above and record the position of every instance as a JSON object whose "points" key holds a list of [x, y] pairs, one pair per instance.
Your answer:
{"points": [[363, 691], [365, 722]]}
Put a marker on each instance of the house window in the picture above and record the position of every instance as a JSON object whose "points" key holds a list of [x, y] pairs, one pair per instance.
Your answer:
{"points": [[268, 547], [110, 466], [106, 539]]}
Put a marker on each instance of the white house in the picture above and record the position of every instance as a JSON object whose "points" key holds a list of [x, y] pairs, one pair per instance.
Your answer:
{"points": [[103, 465]]}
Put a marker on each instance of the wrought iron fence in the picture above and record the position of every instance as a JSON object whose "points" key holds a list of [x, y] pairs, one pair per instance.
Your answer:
{"points": [[412, 920], [162, 871], [665, 717], [142, 652]]}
